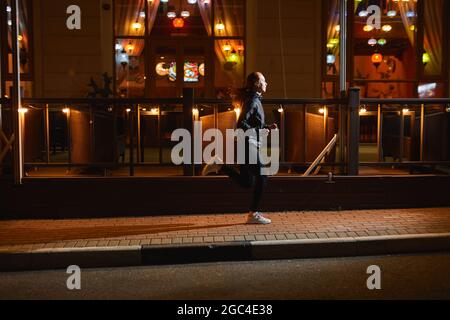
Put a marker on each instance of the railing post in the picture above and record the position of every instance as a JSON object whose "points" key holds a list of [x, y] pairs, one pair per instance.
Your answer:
{"points": [[353, 132], [131, 124], [47, 135], [422, 131], [380, 134], [188, 106], [16, 97]]}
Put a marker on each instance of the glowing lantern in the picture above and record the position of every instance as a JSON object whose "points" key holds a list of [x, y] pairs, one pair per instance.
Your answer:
{"points": [[234, 58], [178, 23], [387, 28], [372, 42], [382, 42], [136, 26], [377, 58], [130, 47], [426, 58], [226, 48], [220, 26]]}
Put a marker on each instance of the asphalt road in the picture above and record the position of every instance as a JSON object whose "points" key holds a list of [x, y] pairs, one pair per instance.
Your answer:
{"points": [[402, 277]]}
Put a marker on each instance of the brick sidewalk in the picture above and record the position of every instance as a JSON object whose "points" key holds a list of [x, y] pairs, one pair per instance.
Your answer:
{"points": [[25, 235]]}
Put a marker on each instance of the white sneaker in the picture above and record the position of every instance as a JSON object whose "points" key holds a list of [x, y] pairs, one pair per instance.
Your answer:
{"points": [[214, 167], [257, 218]]}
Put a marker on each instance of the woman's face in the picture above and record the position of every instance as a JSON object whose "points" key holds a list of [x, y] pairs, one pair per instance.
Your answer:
{"points": [[261, 85]]}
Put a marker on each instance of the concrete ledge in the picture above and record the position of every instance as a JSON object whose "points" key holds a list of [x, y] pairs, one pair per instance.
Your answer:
{"points": [[103, 257]]}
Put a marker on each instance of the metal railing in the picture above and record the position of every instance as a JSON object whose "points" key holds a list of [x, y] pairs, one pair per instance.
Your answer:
{"points": [[295, 117]]}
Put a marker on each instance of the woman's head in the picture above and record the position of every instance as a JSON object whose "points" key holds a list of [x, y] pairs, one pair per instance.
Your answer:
{"points": [[256, 82]]}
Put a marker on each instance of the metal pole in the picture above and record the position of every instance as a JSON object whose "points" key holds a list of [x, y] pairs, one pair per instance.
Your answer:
{"points": [[159, 136], [16, 97], [305, 133], [380, 134], [283, 134], [131, 123], [343, 48], [69, 140], [342, 76], [422, 131], [47, 135], [402, 135], [138, 135], [353, 136]]}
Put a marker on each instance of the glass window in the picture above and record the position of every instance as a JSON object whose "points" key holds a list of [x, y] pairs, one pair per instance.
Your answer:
{"points": [[130, 17], [388, 53], [229, 18], [433, 37], [130, 68], [332, 44], [24, 36], [229, 63]]}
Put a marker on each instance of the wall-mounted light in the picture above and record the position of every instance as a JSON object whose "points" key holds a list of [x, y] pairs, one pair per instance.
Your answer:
{"points": [[426, 58], [23, 110], [136, 26]]}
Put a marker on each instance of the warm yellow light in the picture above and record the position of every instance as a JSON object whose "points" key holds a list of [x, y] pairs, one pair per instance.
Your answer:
{"points": [[238, 111], [367, 28], [128, 110], [322, 110], [220, 26], [280, 110], [154, 111], [66, 110], [195, 112], [23, 110], [130, 47], [363, 110], [406, 110], [226, 48], [136, 26], [19, 37], [387, 28]]}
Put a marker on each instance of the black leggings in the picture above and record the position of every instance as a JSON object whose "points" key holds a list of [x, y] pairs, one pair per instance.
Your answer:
{"points": [[249, 176]]}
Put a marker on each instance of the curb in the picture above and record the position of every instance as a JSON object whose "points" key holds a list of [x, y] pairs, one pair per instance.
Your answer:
{"points": [[109, 257]]}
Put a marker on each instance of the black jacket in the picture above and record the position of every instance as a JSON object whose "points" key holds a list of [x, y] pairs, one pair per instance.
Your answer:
{"points": [[252, 116]]}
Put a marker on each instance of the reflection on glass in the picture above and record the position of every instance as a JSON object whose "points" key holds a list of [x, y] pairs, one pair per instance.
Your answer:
{"points": [[229, 63], [130, 17], [433, 37], [229, 17], [130, 67]]}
